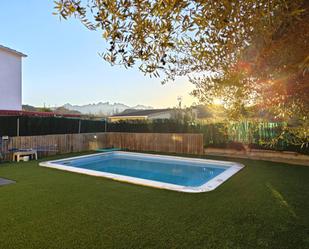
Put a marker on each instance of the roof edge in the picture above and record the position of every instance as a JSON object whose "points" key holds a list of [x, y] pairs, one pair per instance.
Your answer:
{"points": [[13, 51], [38, 114]]}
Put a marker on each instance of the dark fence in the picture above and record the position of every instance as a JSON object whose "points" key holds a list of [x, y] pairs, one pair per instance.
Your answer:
{"points": [[224, 135], [33, 126]]}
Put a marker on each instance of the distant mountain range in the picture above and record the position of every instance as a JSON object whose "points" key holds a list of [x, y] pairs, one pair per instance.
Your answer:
{"points": [[105, 108]]}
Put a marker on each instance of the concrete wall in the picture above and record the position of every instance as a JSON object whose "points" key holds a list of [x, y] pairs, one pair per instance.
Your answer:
{"points": [[10, 81]]}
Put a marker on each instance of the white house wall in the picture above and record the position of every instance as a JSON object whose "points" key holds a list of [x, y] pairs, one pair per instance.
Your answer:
{"points": [[10, 81], [162, 115]]}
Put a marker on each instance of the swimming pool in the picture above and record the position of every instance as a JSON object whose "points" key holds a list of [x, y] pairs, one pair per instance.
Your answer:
{"points": [[167, 172]]}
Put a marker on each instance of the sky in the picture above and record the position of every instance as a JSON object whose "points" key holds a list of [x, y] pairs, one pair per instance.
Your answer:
{"points": [[63, 65]]}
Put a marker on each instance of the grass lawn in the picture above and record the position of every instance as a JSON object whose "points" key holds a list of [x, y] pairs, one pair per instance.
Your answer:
{"points": [[265, 205]]}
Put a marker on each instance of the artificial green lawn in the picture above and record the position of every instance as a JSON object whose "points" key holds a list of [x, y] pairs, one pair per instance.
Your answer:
{"points": [[266, 205]]}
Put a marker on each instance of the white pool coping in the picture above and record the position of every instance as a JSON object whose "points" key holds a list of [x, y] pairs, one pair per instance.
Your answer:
{"points": [[212, 184]]}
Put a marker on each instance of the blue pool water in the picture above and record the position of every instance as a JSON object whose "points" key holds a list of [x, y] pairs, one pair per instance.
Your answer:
{"points": [[184, 173]]}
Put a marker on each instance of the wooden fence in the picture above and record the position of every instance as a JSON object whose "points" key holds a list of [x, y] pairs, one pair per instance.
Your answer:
{"points": [[59, 144], [187, 143]]}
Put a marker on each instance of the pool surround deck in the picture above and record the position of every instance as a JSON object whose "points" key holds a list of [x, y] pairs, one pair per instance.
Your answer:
{"points": [[232, 168]]}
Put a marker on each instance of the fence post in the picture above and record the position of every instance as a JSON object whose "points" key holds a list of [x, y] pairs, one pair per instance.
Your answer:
{"points": [[79, 126], [17, 127]]}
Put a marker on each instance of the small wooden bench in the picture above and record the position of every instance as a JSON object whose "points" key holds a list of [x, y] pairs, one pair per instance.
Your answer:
{"points": [[18, 154]]}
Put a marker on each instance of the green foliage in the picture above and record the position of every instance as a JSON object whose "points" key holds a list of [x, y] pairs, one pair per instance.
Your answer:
{"points": [[270, 74], [246, 52], [178, 37], [44, 109]]}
